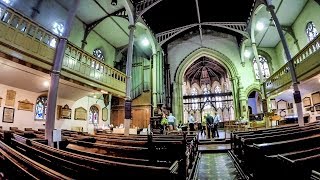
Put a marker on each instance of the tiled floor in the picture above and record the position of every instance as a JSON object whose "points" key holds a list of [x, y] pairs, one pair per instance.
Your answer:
{"points": [[217, 166], [222, 135]]}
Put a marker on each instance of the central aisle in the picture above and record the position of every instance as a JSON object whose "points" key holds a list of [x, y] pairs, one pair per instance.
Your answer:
{"points": [[216, 166]]}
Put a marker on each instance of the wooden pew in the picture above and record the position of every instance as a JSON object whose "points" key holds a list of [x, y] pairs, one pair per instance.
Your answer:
{"points": [[315, 175], [262, 153], [14, 165], [104, 168]]}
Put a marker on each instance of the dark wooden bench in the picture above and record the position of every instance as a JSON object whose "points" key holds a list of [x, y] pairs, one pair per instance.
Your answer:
{"points": [[99, 167], [14, 165]]}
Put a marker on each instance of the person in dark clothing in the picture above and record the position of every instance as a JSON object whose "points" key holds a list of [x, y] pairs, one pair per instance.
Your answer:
{"points": [[210, 126]]}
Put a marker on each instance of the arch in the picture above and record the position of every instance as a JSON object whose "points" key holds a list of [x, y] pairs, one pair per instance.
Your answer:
{"points": [[174, 32], [258, 8], [191, 58], [150, 36], [94, 114], [251, 88]]}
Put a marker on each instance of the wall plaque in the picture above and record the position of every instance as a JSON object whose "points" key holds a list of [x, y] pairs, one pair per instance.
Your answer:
{"points": [[65, 112], [10, 98], [25, 105], [80, 113], [104, 114], [306, 102], [0, 101], [316, 98], [8, 115]]}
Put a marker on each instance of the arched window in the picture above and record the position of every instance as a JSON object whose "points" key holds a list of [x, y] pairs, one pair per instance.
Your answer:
{"points": [[218, 98], [94, 115], [41, 108], [98, 54], [194, 101], [207, 104], [311, 31], [264, 67]]}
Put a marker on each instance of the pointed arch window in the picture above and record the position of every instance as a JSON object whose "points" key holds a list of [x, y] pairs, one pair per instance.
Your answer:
{"points": [[207, 104], [194, 101], [311, 31], [41, 108], [94, 115], [264, 67], [217, 89]]}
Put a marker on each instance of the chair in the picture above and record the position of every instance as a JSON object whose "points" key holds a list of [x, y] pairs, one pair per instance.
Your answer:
{"points": [[275, 118]]}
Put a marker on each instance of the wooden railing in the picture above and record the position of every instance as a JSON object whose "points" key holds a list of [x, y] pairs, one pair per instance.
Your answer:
{"points": [[21, 34], [305, 63], [86, 65], [26, 40]]}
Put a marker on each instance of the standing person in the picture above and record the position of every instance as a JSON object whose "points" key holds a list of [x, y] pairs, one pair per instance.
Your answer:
{"points": [[171, 120], [216, 121], [209, 120], [191, 121]]}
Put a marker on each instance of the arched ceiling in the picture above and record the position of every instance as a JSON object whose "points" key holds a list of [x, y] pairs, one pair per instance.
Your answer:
{"points": [[204, 68], [170, 14]]}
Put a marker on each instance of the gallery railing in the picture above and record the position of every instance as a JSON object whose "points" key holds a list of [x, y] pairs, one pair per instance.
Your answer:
{"points": [[26, 40], [86, 65], [305, 62]]}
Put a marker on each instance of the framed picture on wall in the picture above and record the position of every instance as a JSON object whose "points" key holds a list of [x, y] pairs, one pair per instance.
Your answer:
{"points": [[282, 104], [306, 102], [8, 115], [315, 98]]}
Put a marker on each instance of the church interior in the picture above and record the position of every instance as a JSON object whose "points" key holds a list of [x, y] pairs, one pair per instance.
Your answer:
{"points": [[134, 88]]}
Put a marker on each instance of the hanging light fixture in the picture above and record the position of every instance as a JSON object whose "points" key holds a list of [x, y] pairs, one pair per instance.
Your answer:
{"points": [[114, 2]]}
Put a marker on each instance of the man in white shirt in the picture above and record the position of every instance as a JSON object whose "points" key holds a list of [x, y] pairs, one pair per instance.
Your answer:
{"points": [[191, 122], [216, 121], [171, 120]]}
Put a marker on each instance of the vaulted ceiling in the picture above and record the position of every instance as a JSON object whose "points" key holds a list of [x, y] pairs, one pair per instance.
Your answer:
{"points": [[204, 68]]}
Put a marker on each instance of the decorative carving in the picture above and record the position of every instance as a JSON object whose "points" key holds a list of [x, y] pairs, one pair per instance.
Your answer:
{"points": [[10, 98], [25, 105], [104, 114], [65, 112], [8, 115], [80, 113]]}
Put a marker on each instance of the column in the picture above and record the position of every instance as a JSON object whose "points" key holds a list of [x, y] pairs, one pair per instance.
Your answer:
{"points": [[55, 74], [154, 80], [128, 102], [261, 80], [296, 94]]}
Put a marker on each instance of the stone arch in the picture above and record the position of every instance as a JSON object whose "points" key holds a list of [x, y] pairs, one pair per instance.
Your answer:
{"points": [[251, 88], [187, 61]]}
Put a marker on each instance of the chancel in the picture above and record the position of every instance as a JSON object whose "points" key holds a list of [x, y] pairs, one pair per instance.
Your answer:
{"points": [[159, 89]]}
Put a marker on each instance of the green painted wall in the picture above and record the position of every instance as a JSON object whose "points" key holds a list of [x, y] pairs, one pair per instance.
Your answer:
{"points": [[93, 41], [311, 12]]}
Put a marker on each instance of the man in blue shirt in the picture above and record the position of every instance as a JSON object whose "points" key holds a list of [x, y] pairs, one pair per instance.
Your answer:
{"points": [[171, 120]]}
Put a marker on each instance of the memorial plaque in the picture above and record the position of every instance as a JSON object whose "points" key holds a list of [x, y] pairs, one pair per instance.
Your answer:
{"points": [[65, 112], [80, 114], [104, 114], [10, 98], [306, 102], [8, 115], [25, 105], [315, 98]]}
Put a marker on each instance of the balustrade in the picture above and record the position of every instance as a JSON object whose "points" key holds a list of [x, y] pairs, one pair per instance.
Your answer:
{"points": [[25, 39], [303, 63]]}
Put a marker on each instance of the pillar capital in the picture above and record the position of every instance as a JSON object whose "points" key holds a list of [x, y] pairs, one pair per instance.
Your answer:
{"points": [[132, 26]]}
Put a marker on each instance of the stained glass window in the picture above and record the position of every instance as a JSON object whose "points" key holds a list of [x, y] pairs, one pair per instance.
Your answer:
{"points": [[98, 54], [58, 28], [94, 115], [311, 31], [264, 67], [206, 99], [218, 98], [194, 100], [41, 108]]}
